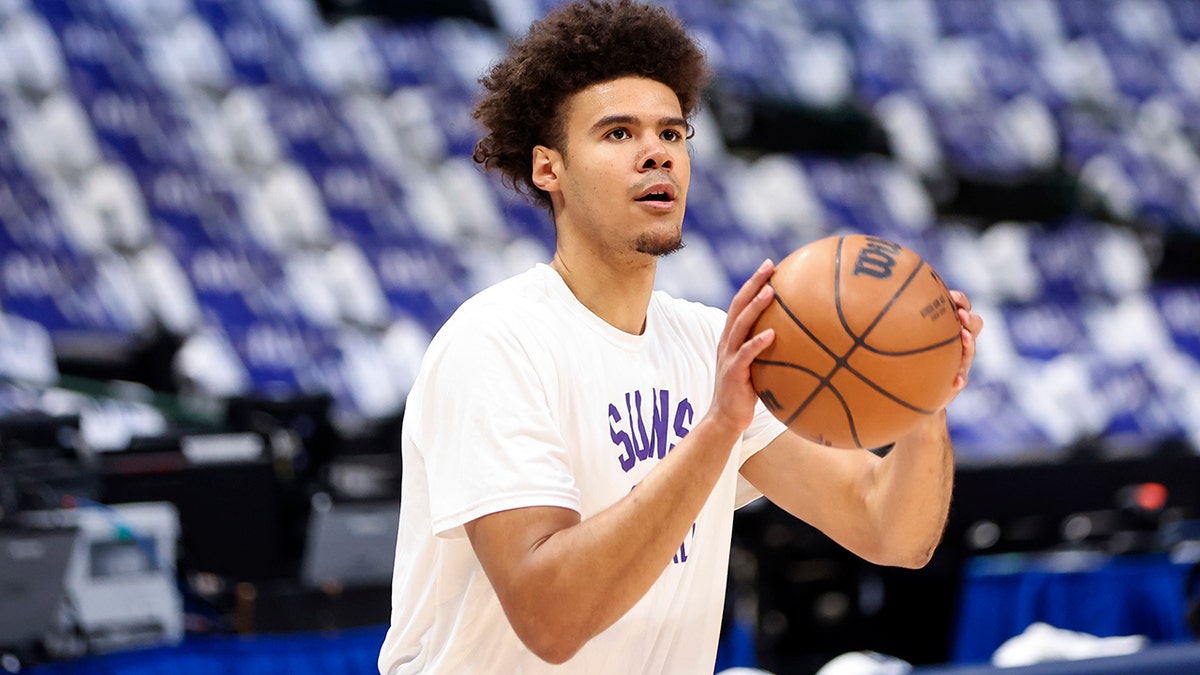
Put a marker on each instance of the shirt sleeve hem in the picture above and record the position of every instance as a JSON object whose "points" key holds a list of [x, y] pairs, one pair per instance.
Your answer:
{"points": [[451, 526]]}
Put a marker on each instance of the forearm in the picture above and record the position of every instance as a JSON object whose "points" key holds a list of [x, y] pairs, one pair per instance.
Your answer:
{"points": [[910, 495], [571, 584]]}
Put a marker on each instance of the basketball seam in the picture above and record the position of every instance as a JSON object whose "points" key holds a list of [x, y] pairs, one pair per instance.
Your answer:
{"points": [[825, 382], [860, 340], [910, 352], [822, 381]]}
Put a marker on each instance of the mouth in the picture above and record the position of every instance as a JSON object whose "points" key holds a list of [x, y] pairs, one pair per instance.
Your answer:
{"points": [[659, 194]]}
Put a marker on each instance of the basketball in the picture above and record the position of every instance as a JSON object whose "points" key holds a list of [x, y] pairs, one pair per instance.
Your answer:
{"points": [[867, 342]]}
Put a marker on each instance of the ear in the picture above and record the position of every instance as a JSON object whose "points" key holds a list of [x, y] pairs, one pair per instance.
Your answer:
{"points": [[546, 163]]}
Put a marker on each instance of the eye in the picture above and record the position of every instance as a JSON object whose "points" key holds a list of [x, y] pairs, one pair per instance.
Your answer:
{"points": [[618, 134], [672, 135]]}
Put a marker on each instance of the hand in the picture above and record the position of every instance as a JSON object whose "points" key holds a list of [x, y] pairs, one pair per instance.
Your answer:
{"points": [[734, 397], [972, 325]]}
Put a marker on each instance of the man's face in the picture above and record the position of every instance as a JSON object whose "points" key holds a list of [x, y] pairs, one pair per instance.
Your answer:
{"points": [[622, 180]]}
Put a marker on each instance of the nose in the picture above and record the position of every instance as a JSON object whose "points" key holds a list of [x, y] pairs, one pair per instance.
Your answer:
{"points": [[656, 156]]}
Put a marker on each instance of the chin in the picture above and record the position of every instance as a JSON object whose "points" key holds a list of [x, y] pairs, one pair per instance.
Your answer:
{"points": [[659, 246]]}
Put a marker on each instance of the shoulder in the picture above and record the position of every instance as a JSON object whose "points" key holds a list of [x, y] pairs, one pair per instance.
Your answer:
{"points": [[507, 312], [508, 302], [689, 317]]}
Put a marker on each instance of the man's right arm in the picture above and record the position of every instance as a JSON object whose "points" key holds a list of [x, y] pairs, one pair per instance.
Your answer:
{"points": [[562, 580]]}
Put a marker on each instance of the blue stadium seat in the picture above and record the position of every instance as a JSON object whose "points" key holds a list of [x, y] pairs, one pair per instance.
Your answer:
{"points": [[259, 49], [1066, 262], [524, 218], [1159, 198], [1144, 25], [71, 296], [843, 191], [989, 425], [1139, 73], [362, 201], [280, 358], [870, 195], [709, 210], [27, 218], [1010, 69], [19, 399], [1034, 24], [1139, 413], [408, 55], [1085, 17], [239, 285], [1186, 17], [993, 142], [966, 17], [740, 253], [139, 126], [356, 370], [26, 352], [883, 68], [454, 115], [1047, 329], [186, 57], [1179, 307], [100, 50], [310, 127], [1084, 135], [421, 280], [35, 60], [192, 209], [833, 15]]}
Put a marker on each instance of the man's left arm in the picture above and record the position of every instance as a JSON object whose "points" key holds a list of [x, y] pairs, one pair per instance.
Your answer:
{"points": [[889, 510]]}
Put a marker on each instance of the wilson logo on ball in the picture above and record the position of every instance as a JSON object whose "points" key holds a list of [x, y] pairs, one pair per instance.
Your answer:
{"points": [[877, 258]]}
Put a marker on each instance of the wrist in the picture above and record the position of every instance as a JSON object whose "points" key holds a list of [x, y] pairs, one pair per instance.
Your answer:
{"points": [[718, 430], [933, 425]]}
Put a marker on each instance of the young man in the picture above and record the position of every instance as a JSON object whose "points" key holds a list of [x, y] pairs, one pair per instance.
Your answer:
{"points": [[575, 443]]}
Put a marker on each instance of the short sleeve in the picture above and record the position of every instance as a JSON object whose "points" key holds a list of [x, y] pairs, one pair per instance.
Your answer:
{"points": [[486, 432], [762, 430]]}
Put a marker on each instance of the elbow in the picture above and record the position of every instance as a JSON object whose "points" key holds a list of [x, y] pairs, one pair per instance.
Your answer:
{"points": [[913, 559], [904, 553], [553, 650], [551, 627], [912, 555], [552, 644]]}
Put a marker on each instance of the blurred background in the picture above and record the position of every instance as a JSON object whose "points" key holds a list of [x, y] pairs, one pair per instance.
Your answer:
{"points": [[229, 228]]}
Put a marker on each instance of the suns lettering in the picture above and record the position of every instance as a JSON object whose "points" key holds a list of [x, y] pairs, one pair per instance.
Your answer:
{"points": [[647, 426]]}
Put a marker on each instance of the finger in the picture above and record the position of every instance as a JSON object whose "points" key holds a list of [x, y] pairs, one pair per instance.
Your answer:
{"points": [[744, 321], [971, 321], [751, 349], [749, 291], [968, 357], [960, 299]]}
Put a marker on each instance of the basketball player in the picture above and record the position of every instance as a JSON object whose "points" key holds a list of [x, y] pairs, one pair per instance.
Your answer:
{"points": [[575, 443]]}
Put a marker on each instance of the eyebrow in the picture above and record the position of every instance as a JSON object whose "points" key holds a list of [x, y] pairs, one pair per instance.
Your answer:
{"points": [[609, 120]]}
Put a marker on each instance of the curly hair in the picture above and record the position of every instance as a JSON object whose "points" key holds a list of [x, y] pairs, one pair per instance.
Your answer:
{"points": [[572, 48]]}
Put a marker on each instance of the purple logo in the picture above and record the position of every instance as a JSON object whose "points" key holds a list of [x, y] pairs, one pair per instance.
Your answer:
{"points": [[647, 426]]}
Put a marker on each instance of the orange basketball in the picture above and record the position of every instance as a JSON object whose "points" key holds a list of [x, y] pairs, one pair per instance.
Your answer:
{"points": [[867, 342]]}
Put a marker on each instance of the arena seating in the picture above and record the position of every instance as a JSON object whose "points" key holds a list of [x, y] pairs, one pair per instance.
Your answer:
{"points": [[314, 159]]}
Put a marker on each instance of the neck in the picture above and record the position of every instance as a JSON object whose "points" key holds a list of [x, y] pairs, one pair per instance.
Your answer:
{"points": [[618, 294]]}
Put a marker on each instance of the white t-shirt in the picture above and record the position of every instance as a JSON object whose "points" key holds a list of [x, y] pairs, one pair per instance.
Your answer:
{"points": [[526, 398]]}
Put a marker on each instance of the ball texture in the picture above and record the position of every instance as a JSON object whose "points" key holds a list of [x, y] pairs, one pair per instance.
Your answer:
{"points": [[867, 342]]}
